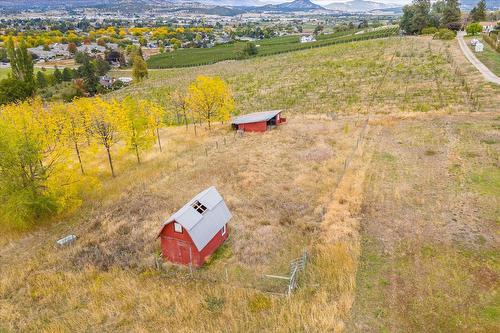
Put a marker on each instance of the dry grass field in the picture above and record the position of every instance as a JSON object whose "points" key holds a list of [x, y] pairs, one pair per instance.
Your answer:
{"points": [[430, 227], [278, 187], [405, 240]]}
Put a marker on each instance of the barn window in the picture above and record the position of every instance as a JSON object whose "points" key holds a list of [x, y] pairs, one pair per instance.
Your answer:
{"points": [[224, 230], [177, 227], [199, 207]]}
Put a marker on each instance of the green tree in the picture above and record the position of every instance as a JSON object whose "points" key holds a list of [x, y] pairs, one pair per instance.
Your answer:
{"points": [[478, 13], [88, 74], [416, 16], [451, 12], [41, 80], [101, 66], [406, 23], [422, 14], [140, 69], [67, 74], [57, 76], [245, 50], [21, 62], [13, 90], [473, 28]]}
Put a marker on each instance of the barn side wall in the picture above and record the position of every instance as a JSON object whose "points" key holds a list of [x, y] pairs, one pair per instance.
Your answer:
{"points": [[253, 127], [175, 246], [214, 244]]}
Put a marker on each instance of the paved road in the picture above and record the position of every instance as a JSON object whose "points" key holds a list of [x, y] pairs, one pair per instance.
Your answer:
{"points": [[488, 75]]}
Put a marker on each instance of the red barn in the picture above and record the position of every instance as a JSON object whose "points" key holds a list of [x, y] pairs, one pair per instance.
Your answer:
{"points": [[258, 121], [196, 230]]}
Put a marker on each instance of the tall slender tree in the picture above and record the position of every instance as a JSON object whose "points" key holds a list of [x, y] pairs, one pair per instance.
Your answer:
{"points": [[21, 61], [135, 126], [451, 12], [104, 126], [139, 69], [478, 13]]}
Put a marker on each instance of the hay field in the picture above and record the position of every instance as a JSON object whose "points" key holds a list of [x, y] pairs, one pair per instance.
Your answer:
{"points": [[425, 160]]}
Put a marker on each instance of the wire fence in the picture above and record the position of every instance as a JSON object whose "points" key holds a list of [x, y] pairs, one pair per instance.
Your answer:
{"points": [[471, 96]]}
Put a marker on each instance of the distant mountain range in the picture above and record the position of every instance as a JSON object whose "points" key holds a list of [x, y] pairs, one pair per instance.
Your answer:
{"points": [[359, 6], [297, 5], [230, 7]]}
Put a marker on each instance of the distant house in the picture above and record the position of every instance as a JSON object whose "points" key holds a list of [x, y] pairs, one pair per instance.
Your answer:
{"points": [[258, 121], [125, 80], [196, 230], [106, 81], [307, 39], [91, 48], [488, 26]]}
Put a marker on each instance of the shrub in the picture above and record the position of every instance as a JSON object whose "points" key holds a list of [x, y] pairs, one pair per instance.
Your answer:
{"points": [[214, 304], [258, 303], [445, 34], [13, 90], [473, 28], [245, 50], [429, 31], [455, 26]]}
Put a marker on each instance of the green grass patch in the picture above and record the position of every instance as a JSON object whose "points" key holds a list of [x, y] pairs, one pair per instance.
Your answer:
{"points": [[489, 57], [198, 56], [487, 181]]}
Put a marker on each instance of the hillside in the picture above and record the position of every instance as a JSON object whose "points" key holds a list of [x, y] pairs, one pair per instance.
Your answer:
{"points": [[293, 6], [359, 6], [385, 173]]}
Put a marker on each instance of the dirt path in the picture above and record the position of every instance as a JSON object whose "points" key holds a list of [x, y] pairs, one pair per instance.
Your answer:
{"points": [[488, 75]]}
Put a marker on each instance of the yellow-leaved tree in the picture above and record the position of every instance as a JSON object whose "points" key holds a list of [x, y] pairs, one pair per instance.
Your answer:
{"points": [[104, 125], [156, 116], [136, 124], [210, 99], [36, 177], [180, 107], [76, 125]]}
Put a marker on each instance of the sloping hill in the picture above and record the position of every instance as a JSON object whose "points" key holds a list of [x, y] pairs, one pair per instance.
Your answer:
{"points": [[430, 164], [358, 6]]}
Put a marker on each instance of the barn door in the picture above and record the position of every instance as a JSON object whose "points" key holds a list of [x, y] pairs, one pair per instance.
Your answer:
{"points": [[185, 253]]}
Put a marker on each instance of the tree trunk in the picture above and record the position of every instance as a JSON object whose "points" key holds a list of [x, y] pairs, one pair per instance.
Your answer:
{"points": [[194, 125], [79, 157], [158, 137], [185, 120], [110, 162], [137, 154]]}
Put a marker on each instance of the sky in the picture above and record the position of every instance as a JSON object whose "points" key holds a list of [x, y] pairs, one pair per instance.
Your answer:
{"points": [[326, 2]]}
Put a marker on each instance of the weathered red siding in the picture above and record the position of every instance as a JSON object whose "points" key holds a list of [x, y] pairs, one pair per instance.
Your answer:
{"points": [[253, 127], [176, 246]]}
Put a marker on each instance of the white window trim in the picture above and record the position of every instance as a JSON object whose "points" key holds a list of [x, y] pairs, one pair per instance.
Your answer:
{"points": [[178, 227], [224, 230]]}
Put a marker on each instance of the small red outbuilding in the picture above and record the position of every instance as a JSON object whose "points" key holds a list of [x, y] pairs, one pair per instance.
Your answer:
{"points": [[258, 121], [196, 230]]}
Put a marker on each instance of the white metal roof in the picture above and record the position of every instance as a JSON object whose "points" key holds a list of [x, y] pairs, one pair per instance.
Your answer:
{"points": [[202, 227], [255, 117]]}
